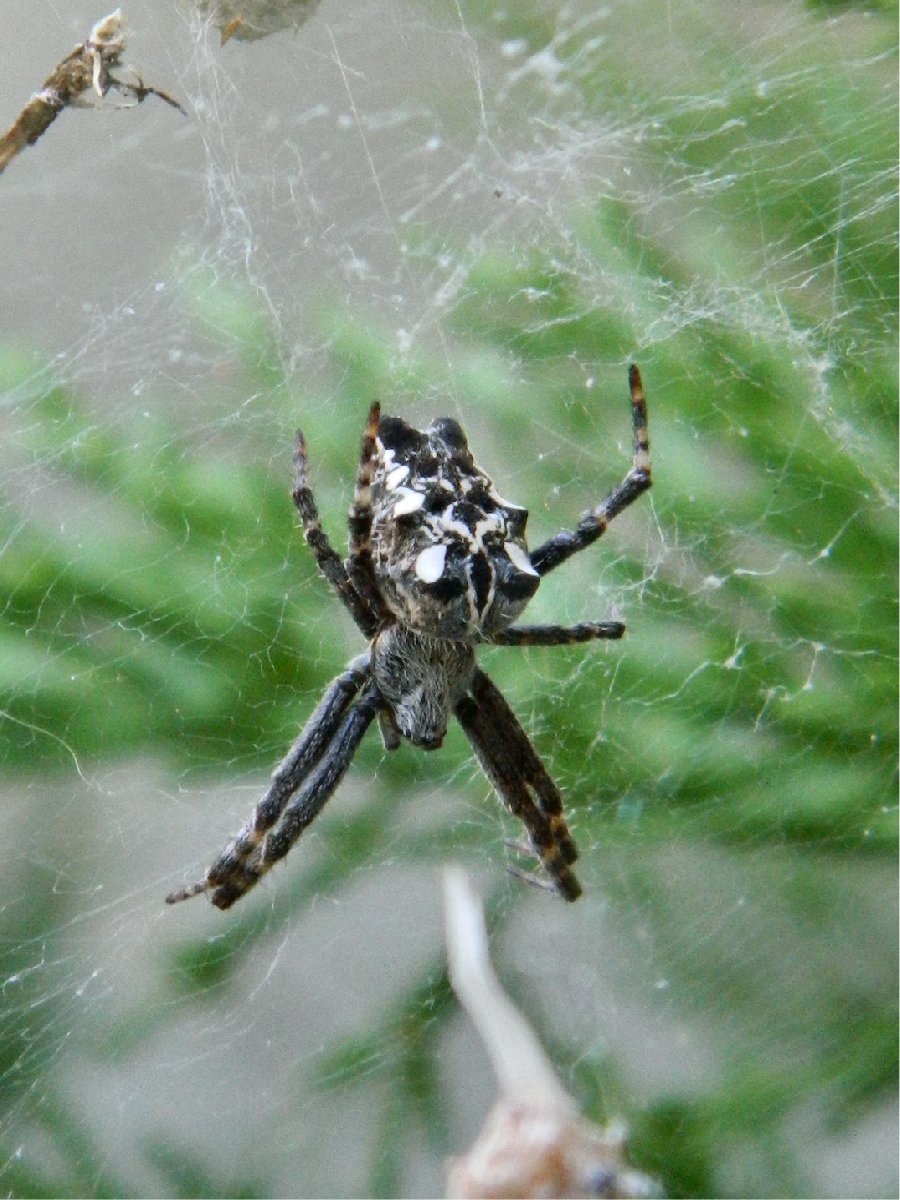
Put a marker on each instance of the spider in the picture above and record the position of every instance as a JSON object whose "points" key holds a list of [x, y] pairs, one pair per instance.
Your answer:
{"points": [[437, 564]]}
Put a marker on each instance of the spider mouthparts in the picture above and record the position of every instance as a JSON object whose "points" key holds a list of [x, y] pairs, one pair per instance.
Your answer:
{"points": [[186, 893], [429, 743]]}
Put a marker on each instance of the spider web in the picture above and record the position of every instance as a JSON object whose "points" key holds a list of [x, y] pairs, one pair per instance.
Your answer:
{"points": [[484, 211]]}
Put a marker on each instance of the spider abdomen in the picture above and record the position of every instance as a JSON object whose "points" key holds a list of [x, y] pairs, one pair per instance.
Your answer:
{"points": [[449, 552], [421, 678]]}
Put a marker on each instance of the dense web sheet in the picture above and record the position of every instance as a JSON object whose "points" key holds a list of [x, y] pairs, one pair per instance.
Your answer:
{"points": [[485, 212]]}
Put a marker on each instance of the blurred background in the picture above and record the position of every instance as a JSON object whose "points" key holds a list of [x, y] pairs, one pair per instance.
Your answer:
{"points": [[485, 211]]}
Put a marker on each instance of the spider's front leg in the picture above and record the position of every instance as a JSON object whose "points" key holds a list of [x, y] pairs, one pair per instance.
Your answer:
{"points": [[311, 747], [511, 763], [309, 801], [594, 522]]}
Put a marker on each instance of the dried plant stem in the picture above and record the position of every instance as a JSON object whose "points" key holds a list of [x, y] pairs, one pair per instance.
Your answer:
{"points": [[86, 68], [534, 1142]]}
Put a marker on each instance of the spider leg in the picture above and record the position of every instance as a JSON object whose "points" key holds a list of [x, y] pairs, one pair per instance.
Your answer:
{"points": [[557, 635], [308, 802], [359, 561], [327, 558], [307, 751], [593, 523], [528, 877], [517, 745], [511, 763]]}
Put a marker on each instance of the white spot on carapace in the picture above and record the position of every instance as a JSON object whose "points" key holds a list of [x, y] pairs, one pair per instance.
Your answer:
{"points": [[519, 559], [430, 563], [396, 477], [409, 502]]}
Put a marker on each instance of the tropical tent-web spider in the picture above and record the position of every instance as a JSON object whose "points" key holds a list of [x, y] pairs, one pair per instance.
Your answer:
{"points": [[437, 564]]}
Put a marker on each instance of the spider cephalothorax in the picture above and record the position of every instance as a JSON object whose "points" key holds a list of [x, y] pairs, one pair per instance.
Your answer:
{"points": [[437, 564]]}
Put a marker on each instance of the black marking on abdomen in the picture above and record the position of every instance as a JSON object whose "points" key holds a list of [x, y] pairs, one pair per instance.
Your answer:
{"points": [[482, 577]]}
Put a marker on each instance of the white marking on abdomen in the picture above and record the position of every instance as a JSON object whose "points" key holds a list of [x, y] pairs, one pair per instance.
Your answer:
{"points": [[430, 563], [519, 559]]}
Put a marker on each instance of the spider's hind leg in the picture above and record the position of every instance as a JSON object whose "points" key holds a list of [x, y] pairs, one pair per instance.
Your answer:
{"points": [[327, 558], [359, 561], [594, 522]]}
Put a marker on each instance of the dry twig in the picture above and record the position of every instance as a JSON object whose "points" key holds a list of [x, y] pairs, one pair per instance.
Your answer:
{"points": [[87, 68], [534, 1142]]}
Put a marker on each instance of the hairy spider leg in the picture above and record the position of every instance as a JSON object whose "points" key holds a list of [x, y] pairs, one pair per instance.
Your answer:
{"points": [[557, 635], [328, 560], [310, 799], [306, 753], [359, 561], [533, 771], [593, 523], [513, 767]]}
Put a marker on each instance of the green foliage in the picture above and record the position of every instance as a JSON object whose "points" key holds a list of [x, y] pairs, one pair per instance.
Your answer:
{"points": [[401, 1054], [82, 1168], [167, 619]]}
